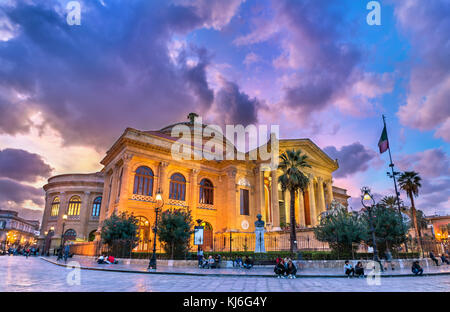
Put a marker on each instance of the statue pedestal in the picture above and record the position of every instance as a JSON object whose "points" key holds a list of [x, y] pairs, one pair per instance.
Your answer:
{"points": [[259, 240]]}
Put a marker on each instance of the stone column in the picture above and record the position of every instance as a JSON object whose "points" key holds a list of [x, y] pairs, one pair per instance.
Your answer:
{"points": [[312, 200], [258, 190], [163, 183], [301, 208], [329, 192], [85, 213], [287, 205], [274, 203], [127, 176], [321, 196], [47, 212], [64, 201], [232, 200], [194, 193]]}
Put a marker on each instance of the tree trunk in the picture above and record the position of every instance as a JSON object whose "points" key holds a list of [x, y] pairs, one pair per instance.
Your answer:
{"points": [[293, 235], [416, 228]]}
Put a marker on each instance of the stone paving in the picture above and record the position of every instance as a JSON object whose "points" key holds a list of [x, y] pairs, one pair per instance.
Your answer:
{"points": [[257, 271], [34, 274]]}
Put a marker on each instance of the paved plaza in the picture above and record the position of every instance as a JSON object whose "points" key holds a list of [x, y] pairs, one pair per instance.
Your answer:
{"points": [[34, 274]]}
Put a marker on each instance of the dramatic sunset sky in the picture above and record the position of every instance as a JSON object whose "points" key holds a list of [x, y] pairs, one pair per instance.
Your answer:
{"points": [[314, 67]]}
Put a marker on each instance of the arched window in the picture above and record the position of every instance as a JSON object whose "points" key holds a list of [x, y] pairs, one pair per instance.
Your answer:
{"points": [[143, 234], [96, 206], [91, 236], [55, 207], [143, 181], [70, 235], [177, 189], [74, 206], [206, 192]]}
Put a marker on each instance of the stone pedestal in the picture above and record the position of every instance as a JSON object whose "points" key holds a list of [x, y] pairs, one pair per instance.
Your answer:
{"points": [[259, 240]]}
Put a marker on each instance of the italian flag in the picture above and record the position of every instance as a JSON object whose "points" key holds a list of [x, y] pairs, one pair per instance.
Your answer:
{"points": [[383, 143]]}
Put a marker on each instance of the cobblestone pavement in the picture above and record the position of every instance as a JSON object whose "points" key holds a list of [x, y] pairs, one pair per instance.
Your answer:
{"points": [[34, 274], [256, 271]]}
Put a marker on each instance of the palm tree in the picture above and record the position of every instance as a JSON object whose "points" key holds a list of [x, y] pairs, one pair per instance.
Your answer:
{"points": [[389, 201], [409, 181], [293, 180]]}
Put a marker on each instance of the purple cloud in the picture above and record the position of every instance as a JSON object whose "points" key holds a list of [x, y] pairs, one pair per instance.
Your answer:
{"points": [[113, 71], [431, 163], [21, 165], [15, 192], [352, 158], [426, 106], [235, 106], [321, 66]]}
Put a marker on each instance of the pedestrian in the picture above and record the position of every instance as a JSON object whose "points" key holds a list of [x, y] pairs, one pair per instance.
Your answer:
{"points": [[291, 270], [280, 268], [436, 261], [348, 269], [444, 259], [359, 269], [200, 256], [416, 269], [388, 257], [66, 252]]}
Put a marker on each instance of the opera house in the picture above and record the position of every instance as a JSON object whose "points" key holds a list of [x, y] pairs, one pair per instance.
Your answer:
{"points": [[225, 194]]}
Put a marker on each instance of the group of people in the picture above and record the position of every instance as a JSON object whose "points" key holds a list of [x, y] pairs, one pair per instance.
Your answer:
{"points": [[285, 268], [211, 262], [444, 258], [351, 271], [106, 260], [208, 263], [246, 263], [64, 253], [24, 251]]}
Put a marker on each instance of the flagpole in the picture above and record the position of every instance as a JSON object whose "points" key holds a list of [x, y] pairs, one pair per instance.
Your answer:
{"points": [[395, 181]]}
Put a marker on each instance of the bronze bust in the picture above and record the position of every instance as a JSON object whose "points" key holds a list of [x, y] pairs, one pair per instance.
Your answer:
{"points": [[259, 222]]}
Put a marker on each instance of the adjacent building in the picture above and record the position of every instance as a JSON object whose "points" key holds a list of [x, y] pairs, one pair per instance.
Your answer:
{"points": [[16, 231]]}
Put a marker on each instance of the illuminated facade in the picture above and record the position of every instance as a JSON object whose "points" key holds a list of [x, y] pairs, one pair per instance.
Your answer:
{"points": [[16, 231], [225, 194], [79, 196]]}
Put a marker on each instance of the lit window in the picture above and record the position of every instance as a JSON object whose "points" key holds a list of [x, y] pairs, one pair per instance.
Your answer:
{"points": [[74, 206], [96, 206], [244, 202], [143, 181], [206, 192], [55, 207], [177, 189]]}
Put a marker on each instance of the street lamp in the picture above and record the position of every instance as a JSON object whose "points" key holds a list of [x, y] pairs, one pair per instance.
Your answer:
{"points": [[62, 237], [368, 202], [158, 207]]}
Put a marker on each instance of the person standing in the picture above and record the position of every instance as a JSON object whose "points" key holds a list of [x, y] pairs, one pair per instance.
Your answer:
{"points": [[200, 256], [66, 252], [388, 257], [436, 261]]}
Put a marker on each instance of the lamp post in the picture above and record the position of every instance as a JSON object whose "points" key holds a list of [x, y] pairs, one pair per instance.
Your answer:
{"points": [[45, 240], [51, 233], [62, 237], [159, 205], [368, 202]]}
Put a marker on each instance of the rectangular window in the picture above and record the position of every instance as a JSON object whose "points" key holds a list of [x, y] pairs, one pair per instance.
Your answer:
{"points": [[244, 203]]}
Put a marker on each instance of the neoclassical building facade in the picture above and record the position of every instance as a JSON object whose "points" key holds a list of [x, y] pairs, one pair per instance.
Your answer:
{"points": [[226, 195], [79, 197]]}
